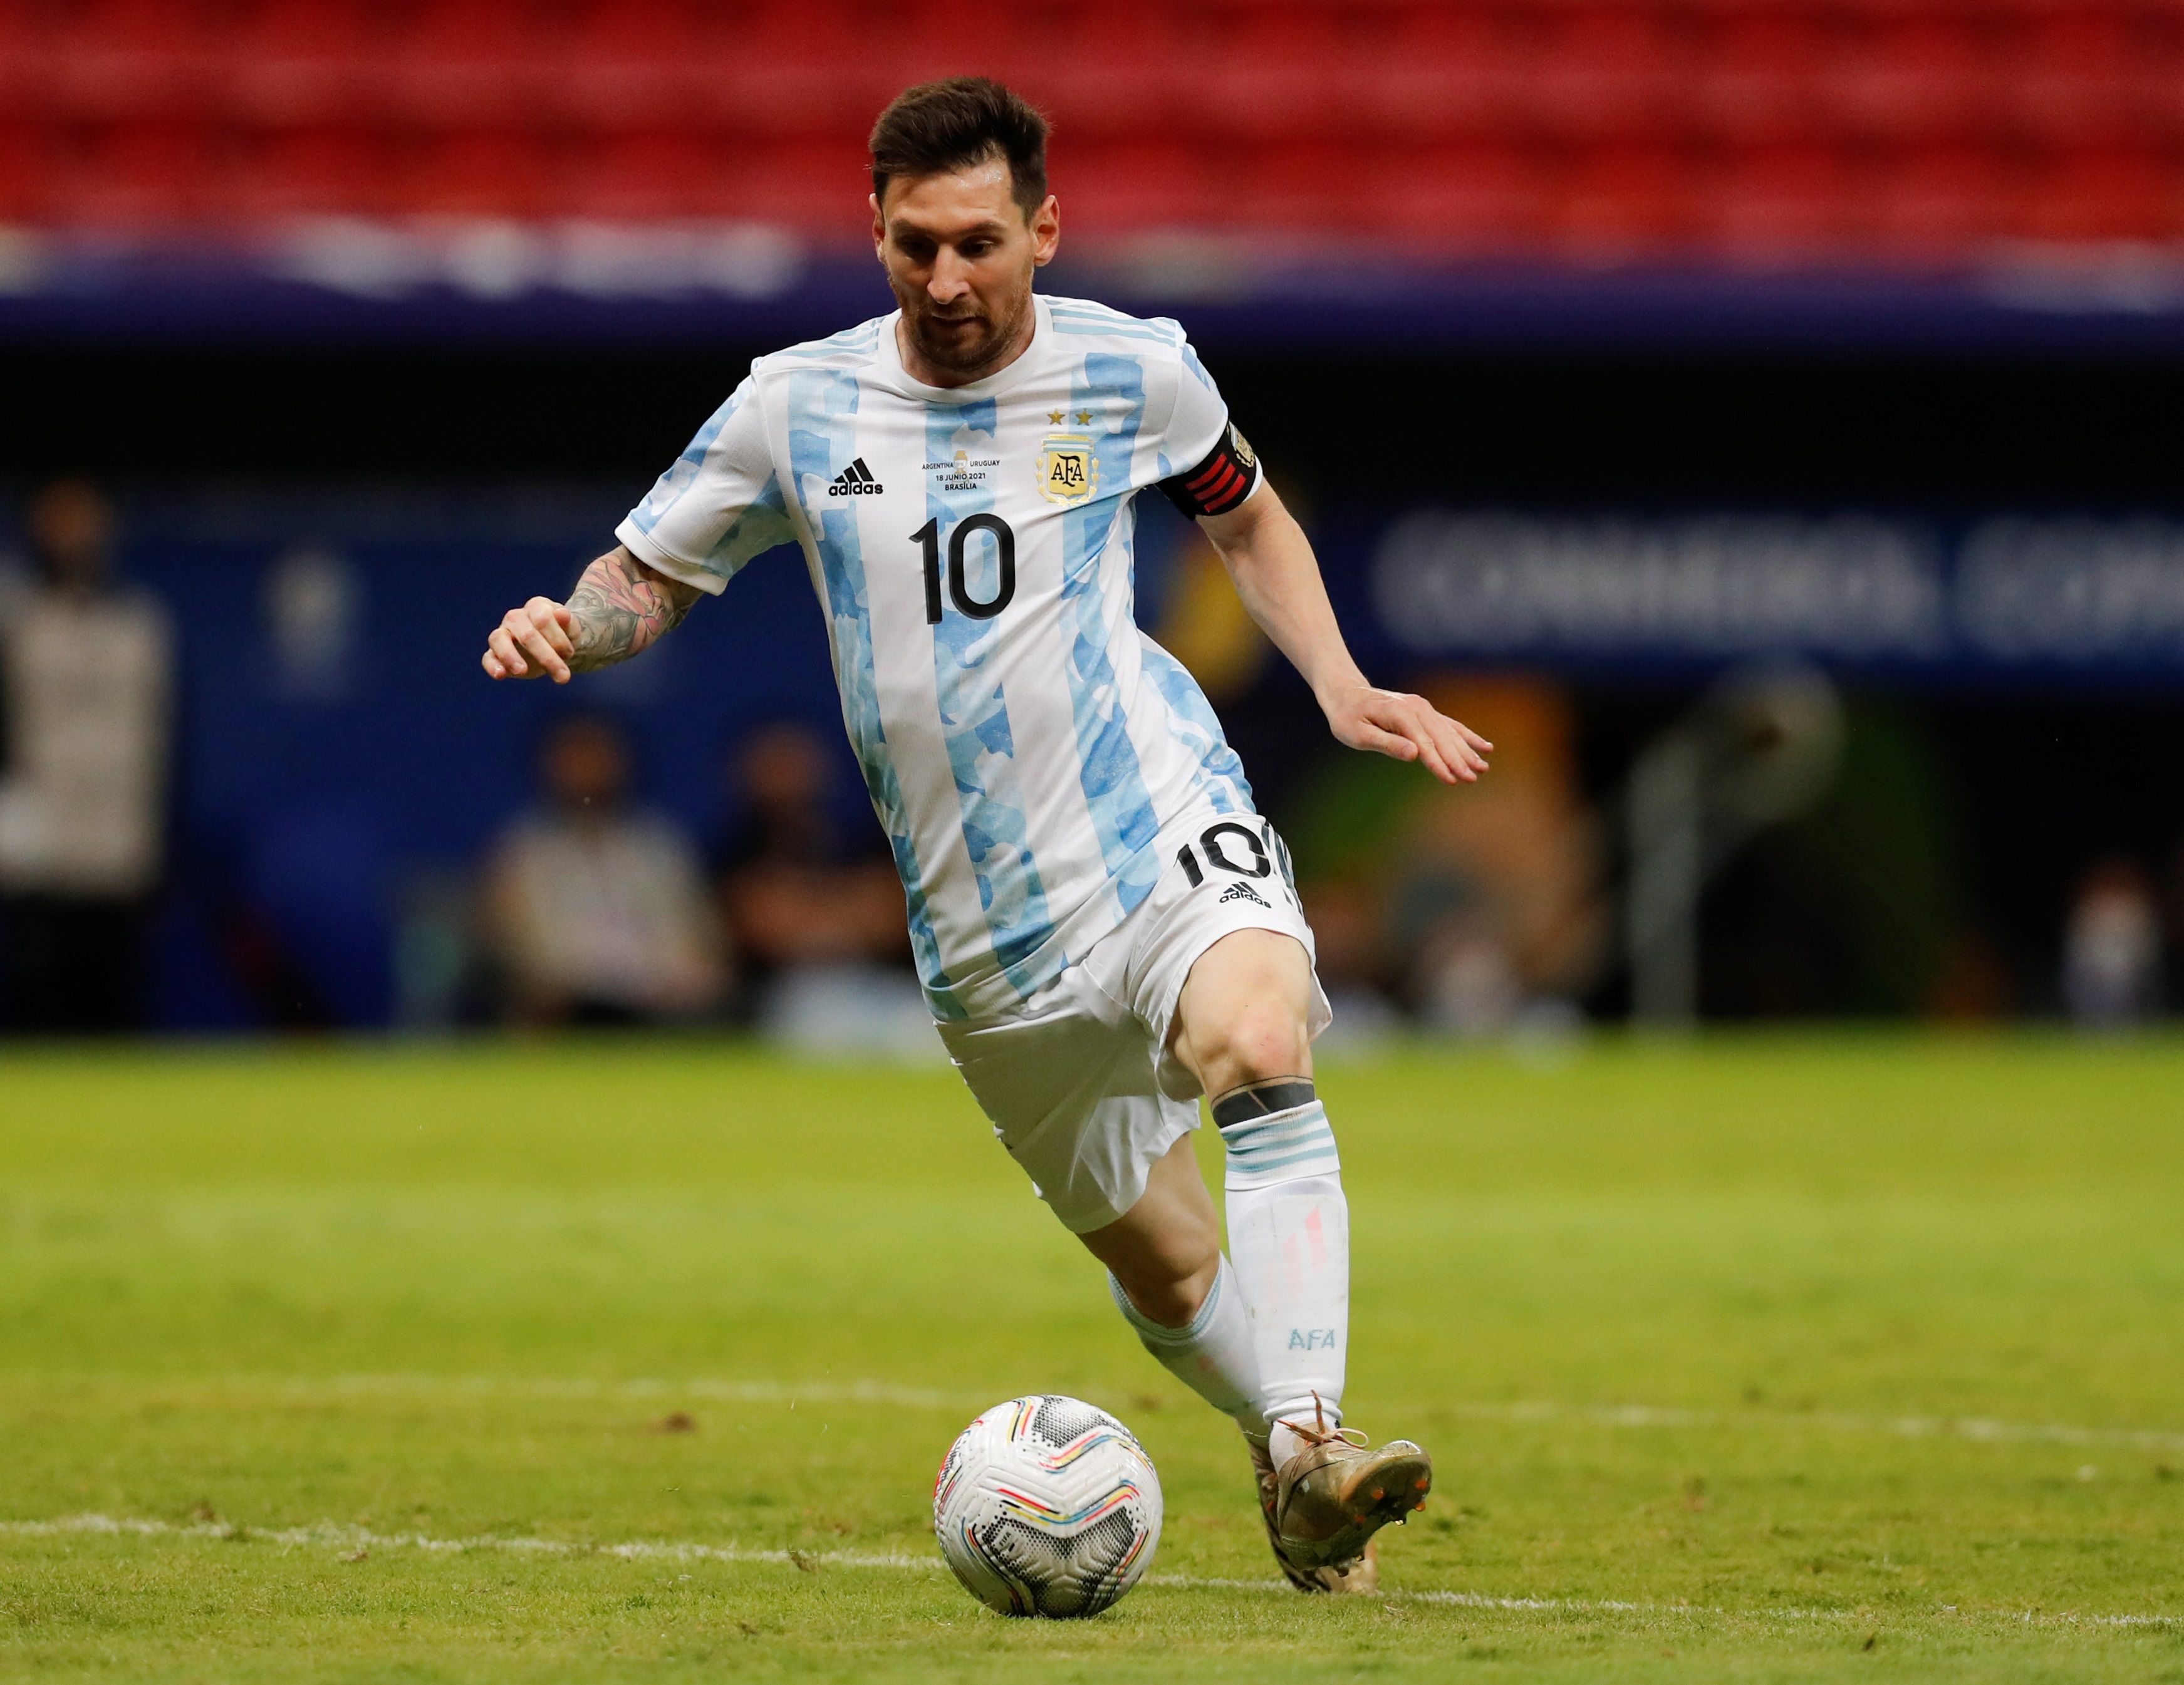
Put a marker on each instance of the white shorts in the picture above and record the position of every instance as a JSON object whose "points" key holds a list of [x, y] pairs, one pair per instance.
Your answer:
{"points": [[1078, 1081]]}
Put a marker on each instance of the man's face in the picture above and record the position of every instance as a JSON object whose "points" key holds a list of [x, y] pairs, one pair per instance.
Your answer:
{"points": [[959, 253], [784, 766], [585, 767], [72, 531]]}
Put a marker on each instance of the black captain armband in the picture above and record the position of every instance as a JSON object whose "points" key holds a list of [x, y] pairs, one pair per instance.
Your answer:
{"points": [[1228, 475]]}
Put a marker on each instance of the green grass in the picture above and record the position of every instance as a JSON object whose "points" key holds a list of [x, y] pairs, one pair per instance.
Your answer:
{"points": [[1768, 1359]]}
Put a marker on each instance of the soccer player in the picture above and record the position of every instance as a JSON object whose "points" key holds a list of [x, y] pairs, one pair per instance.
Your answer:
{"points": [[1103, 926]]}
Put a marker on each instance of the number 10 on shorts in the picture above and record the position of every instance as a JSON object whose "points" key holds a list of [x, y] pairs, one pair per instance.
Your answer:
{"points": [[1230, 846]]}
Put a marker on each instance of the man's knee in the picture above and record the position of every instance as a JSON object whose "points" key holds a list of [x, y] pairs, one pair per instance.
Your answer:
{"points": [[1254, 1043]]}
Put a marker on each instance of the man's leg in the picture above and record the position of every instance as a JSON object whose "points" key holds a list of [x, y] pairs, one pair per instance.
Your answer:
{"points": [[1172, 1284], [1241, 1027]]}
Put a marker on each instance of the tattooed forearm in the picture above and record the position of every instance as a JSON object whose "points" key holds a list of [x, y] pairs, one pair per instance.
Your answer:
{"points": [[621, 608]]}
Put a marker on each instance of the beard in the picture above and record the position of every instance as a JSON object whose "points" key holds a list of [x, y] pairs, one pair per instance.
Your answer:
{"points": [[961, 344]]}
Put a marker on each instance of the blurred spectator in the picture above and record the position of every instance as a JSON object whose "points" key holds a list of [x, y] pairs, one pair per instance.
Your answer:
{"points": [[597, 913], [2112, 948], [86, 680], [1496, 914], [796, 893], [1479, 908]]}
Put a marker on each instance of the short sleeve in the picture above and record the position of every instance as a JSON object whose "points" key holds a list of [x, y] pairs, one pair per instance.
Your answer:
{"points": [[718, 506], [1217, 470]]}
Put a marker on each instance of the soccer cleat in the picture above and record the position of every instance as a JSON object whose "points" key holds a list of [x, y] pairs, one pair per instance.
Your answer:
{"points": [[1322, 1506]]}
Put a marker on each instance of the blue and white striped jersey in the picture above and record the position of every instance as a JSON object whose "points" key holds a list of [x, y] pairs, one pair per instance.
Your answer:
{"points": [[1024, 742]]}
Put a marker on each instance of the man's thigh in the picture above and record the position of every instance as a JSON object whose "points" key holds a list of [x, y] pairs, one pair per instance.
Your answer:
{"points": [[1225, 925], [1071, 1094]]}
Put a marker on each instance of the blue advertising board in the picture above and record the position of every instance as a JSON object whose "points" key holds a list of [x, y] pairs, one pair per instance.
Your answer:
{"points": [[2001, 597]]}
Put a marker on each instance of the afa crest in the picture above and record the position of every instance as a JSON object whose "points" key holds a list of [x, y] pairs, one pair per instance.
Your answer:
{"points": [[1068, 468]]}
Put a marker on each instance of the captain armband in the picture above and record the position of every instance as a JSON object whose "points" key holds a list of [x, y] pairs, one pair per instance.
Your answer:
{"points": [[1228, 474]]}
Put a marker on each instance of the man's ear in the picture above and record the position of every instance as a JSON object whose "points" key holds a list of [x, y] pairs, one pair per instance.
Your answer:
{"points": [[879, 224], [1046, 231]]}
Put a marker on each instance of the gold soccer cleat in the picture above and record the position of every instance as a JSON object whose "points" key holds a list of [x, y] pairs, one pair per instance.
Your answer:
{"points": [[1322, 1506]]}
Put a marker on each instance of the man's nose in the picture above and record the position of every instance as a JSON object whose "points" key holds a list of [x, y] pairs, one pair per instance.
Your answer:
{"points": [[950, 278]]}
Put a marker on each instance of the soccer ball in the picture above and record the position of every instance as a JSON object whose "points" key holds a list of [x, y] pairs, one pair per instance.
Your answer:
{"points": [[1047, 1505]]}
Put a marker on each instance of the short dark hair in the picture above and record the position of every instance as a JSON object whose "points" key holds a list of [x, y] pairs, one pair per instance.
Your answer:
{"points": [[950, 124]]}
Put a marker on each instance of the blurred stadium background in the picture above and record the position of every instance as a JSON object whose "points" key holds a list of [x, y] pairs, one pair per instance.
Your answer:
{"points": [[1759, 416]]}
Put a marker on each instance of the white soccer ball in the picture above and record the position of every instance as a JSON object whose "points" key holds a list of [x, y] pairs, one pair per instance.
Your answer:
{"points": [[1047, 1505]]}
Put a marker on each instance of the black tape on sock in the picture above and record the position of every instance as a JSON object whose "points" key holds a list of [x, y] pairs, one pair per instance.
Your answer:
{"points": [[1278, 1094]]}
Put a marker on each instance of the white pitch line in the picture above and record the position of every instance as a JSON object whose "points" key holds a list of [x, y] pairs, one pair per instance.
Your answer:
{"points": [[789, 1394], [1982, 1429], [335, 1535], [338, 1536]]}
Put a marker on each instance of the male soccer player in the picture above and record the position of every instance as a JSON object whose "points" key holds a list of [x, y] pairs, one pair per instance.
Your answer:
{"points": [[1104, 927]]}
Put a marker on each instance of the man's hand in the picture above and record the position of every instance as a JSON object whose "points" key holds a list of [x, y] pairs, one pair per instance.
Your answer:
{"points": [[619, 608], [1406, 727], [1271, 561], [534, 642]]}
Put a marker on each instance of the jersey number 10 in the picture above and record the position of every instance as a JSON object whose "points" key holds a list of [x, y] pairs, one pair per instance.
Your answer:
{"points": [[1005, 556]]}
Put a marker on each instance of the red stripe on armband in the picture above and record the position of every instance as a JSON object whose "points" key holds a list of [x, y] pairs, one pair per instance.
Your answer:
{"points": [[1217, 484]]}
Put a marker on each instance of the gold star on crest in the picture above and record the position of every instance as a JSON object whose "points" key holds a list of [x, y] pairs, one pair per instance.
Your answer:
{"points": [[1083, 418], [1056, 416]]}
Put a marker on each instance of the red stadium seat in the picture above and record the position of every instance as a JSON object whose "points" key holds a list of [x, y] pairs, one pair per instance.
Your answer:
{"points": [[1447, 72], [1624, 203], [2076, 76], [818, 187], [485, 173], [1776, 205], [651, 175], [1127, 188], [1604, 71], [1271, 70], [26, 90], [1916, 76], [25, 173], [140, 177], [1935, 205], [134, 59], [1126, 71], [1478, 200], [472, 61], [304, 62], [803, 68], [1302, 186], [2101, 197], [281, 174], [633, 64], [1754, 83]]}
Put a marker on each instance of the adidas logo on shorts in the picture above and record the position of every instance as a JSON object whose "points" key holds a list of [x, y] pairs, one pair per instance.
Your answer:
{"points": [[855, 481], [1241, 892]]}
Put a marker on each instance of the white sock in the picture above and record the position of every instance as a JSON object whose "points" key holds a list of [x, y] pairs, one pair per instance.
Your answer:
{"points": [[1289, 1231], [1212, 1354]]}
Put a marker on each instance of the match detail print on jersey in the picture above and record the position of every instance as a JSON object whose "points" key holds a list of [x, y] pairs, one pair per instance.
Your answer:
{"points": [[1228, 475]]}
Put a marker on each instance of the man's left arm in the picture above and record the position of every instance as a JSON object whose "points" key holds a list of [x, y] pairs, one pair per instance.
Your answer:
{"points": [[1277, 575]]}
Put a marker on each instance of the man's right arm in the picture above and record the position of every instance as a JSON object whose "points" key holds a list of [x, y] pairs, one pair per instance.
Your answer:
{"points": [[620, 607]]}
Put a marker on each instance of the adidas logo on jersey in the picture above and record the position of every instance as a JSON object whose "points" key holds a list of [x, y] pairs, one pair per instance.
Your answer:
{"points": [[855, 481], [1241, 892]]}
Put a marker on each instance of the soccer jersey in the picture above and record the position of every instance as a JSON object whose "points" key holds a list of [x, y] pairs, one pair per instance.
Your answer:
{"points": [[972, 547]]}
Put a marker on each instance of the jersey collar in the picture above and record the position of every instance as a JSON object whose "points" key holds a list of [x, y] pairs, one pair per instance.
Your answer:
{"points": [[1006, 379]]}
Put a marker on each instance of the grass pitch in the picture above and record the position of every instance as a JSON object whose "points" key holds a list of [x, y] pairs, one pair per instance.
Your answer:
{"points": [[1781, 1359]]}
